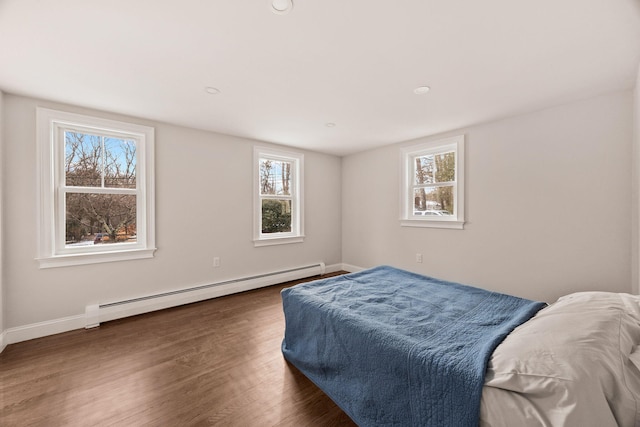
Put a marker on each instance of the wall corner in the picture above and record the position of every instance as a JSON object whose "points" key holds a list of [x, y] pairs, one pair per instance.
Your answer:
{"points": [[635, 186]]}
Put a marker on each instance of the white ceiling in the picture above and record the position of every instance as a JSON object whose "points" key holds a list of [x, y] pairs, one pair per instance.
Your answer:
{"points": [[354, 63]]}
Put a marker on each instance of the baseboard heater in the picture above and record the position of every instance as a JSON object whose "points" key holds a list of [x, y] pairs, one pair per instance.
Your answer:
{"points": [[97, 313]]}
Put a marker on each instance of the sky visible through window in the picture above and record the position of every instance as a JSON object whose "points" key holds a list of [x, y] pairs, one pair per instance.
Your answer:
{"points": [[99, 161], [275, 177]]}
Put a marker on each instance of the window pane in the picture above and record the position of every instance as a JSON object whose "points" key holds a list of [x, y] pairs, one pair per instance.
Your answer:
{"points": [[83, 159], [99, 219], [275, 177], [425, 167], [436, 201], [120, 163], [445, 167], [433, 168], [276, 216]]}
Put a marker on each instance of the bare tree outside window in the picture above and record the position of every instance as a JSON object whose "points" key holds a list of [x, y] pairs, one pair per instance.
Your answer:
{"points": [[100, 162], [432, 174], [275, 180]]}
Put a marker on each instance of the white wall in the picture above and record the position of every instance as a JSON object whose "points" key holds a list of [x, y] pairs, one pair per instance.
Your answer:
{"points": [[547, 203], [2, 343], [635, 260], [203, 206]]}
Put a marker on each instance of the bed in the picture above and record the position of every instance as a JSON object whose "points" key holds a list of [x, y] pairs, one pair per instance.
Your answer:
{"points": [[394, 348]]}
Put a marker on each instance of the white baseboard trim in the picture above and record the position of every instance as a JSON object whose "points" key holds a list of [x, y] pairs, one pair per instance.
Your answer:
{"points": [[333, 268], [42, 329], [94, 314], [107, 312], [352, 268]]}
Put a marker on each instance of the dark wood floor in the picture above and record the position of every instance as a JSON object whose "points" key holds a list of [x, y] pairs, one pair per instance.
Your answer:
{"points": [[216, 362]]}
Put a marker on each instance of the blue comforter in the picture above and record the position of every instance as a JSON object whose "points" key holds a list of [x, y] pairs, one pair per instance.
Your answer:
{"points": [[394, 348]]}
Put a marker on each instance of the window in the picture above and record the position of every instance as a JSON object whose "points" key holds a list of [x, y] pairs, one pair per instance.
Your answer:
{"points": [[278, 188], [96, 190], [433, 184]]}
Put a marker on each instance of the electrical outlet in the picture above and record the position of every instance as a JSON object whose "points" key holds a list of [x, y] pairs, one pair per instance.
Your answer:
{"points": [[419, 258], [216, 261]]}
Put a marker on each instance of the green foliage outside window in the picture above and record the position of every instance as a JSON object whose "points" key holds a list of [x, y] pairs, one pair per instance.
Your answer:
{"points": [[276, 216]]}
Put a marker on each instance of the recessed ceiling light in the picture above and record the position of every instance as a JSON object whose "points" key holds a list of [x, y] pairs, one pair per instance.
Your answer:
{"points": [[281, 7], [212, 90], [421, 90], [330, 124]]}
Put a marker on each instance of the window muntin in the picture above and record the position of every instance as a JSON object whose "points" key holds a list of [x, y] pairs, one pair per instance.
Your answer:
{"points": [[278, 207], [433, 184], [96, 186]]}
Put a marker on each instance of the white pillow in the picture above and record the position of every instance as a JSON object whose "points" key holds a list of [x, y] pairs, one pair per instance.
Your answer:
{"points": [[574, 363]]}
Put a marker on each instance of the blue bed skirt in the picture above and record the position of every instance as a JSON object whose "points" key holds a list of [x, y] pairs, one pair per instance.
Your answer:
{"points": [[394, 348]]}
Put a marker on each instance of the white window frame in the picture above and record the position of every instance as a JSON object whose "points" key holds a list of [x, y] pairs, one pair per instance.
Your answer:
{"points": [[408, 155], [296, 235], [52, 251]]}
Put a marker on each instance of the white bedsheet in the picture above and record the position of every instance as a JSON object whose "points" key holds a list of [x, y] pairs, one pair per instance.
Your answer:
{"points": [[576, 363]]}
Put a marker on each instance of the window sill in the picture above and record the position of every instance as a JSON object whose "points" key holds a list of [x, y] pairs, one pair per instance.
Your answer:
{"points": [[455, 224], [277, 241], [94, 258]]}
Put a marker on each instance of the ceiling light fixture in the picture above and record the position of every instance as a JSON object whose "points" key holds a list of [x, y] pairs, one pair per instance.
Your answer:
{"points": [[421, 90], [212, 90], [330, 124], [281, 7]]}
